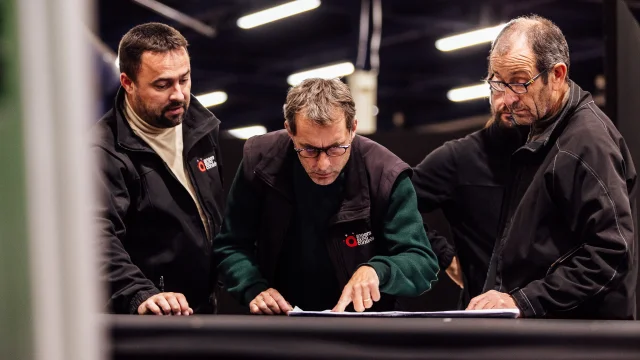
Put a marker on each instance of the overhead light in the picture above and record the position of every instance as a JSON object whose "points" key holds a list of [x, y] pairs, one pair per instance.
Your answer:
{"points": [[469, 93], [277, 13], [212, 99], [469, 38], [249, 131], [325, 72], [117, 62]]}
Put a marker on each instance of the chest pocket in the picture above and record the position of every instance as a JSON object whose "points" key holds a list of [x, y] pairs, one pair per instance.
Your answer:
{"points": [[353, 243], [205, 168]]}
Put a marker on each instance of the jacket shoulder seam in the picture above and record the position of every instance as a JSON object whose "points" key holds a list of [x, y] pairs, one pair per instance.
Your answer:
{"points": [[596, 114]]}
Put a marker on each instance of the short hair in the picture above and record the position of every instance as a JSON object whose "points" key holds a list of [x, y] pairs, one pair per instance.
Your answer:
{"points": [[545, 39], [318, 98], [154, 37]]}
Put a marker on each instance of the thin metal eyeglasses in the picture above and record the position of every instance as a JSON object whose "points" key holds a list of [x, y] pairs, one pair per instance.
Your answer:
{"points": [[517, 88], [332, 151]]}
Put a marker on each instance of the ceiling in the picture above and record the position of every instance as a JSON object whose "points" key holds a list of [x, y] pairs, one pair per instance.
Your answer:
{"points": [[252, 65]]}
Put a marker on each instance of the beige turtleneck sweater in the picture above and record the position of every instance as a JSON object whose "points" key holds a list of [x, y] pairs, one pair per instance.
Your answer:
{"points": [[167, 143]]}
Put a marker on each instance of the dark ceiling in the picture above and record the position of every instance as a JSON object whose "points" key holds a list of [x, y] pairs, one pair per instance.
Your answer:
{"points": [[252, 65]]}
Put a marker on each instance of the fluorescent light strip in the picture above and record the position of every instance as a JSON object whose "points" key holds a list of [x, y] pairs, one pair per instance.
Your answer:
{"points": [[277, 13], [212, 99], [469, 93], [325, 72], [469, 39], [247, 132]]}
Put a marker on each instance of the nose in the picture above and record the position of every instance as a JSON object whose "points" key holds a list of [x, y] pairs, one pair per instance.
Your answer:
{"points": [[323, 162], [176, 92], [510, 98]]}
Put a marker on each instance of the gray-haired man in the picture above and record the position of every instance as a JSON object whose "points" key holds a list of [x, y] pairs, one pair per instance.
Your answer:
{"points": [[319, 217]]}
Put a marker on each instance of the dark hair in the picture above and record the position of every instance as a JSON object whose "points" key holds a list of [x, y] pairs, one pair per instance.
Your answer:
{"points": [[154, 37], [545, 39], [318, 98]]}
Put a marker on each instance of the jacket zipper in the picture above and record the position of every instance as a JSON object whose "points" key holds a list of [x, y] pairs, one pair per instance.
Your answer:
{"points": [[505, 226], [204, 208], [340, 257]]}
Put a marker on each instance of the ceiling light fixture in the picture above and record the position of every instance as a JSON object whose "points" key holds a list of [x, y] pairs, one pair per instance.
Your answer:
{"points": [[249, 131], [325, 72], [469, 93], [469, 38], [212, 98], [277, 13]]}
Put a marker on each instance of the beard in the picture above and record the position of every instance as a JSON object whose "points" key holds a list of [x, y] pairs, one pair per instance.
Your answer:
{"points": [[521, 115], [503, 117], [160, 118]]}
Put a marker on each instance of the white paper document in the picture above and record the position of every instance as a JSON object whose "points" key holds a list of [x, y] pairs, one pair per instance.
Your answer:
{"points": [[501, 313]]}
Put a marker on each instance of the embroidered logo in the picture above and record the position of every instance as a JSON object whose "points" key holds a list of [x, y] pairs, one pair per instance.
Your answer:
{"points": [[207, 163], [358, 239]]}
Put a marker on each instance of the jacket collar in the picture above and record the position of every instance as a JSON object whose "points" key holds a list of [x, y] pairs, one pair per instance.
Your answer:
{"points": [[577, 97], [198, 122], [276, 169]]}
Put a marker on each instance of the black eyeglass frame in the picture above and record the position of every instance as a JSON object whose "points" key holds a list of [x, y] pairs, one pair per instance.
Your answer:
{"points": [[324, 150], [525, 85]]}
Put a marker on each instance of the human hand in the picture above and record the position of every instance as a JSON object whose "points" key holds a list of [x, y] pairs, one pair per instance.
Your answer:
{"points": [[166, 303], [362, 290], [269, 302]]}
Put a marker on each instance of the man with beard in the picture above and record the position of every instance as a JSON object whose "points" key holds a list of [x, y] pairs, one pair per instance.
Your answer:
{"points": [[566, 239], [541, 200], [161, 181], [465, 179]]}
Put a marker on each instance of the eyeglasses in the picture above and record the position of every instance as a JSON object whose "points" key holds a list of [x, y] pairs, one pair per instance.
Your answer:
{"points": [[332, 151], [518, 88]]}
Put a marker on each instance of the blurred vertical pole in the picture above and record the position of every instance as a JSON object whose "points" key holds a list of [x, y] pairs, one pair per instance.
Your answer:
{"points": [[622, 33], [16, 336], [57, 100]]}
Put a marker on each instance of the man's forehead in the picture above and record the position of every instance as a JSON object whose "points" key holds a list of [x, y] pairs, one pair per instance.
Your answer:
{"points": [[166, 64], [310, 133], [513, 64], [513, 57]]}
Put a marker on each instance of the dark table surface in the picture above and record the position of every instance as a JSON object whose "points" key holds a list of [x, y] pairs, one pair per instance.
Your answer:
{"points": [[281, 337]]}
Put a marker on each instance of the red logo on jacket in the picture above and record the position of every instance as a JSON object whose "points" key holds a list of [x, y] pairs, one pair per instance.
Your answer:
{"points": [[358, 239], [207, 164]]}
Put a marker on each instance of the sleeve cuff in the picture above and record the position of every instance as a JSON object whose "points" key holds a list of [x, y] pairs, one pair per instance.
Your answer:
{"points": [[382, 270], [446, 257], [526, 306], [139, 298], [253, 291]]}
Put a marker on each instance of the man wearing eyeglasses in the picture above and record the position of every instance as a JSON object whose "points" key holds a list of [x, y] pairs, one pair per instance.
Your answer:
{"points": [[566, 245], [321, 218]]}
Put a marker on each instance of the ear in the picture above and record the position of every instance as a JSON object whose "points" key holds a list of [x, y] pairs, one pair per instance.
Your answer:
{"points": [[126, 83], [286, 126], [558, 75], [354, 128]]}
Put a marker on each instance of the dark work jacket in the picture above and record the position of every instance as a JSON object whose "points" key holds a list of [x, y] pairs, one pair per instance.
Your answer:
{"points": [[149, 223], [466, 178], [567, 245], [370, 175]]}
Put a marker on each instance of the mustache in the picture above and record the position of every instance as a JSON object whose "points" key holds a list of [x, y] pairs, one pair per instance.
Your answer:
{"points": [[174, 105]]}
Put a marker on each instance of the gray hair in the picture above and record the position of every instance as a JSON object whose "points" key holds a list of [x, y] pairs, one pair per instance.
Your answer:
{"points": [[545, 39], [319, 98]]}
